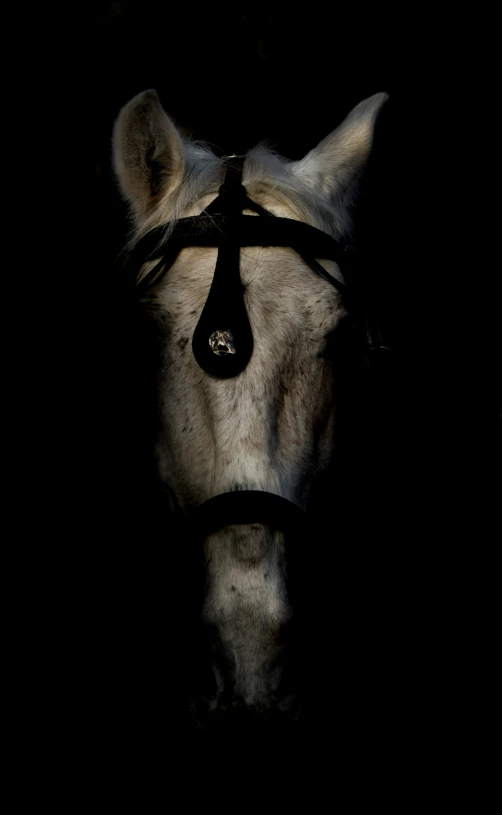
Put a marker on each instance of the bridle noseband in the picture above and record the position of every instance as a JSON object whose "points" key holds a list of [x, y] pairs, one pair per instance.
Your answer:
{"points": [[222, 342]]}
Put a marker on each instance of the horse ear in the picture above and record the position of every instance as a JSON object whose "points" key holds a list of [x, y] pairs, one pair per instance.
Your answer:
{"points": [[147, 152], [336, 164]]}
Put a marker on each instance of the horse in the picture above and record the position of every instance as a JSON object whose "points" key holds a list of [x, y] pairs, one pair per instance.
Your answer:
{"points": [[244, 267]]}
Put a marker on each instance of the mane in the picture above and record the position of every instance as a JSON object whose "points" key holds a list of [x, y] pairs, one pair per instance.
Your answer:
{"points": [[267, 175]]}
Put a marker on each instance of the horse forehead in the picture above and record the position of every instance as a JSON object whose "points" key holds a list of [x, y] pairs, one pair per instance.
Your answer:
{"points": [[276, 280], [280, 209]]}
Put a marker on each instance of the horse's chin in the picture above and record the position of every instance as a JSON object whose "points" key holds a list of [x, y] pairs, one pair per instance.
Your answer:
{"points": [[235, 716]]}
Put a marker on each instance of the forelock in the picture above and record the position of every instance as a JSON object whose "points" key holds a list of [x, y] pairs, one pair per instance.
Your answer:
{"points": [[266, 173]]}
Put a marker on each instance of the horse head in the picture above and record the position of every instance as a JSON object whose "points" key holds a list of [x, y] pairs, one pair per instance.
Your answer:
{"points": [[239, 262]]}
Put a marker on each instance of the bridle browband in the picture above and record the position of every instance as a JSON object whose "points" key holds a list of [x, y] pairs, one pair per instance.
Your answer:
{"points": [[222, 342]]}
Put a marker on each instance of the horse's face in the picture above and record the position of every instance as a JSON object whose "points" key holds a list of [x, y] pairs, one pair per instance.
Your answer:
{"points": [[271, 427]]}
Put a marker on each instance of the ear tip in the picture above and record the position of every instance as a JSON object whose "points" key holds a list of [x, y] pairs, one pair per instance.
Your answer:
{"points": [[144, 101], [376, 100], [150, 95], [369, 108], [148, 98]]}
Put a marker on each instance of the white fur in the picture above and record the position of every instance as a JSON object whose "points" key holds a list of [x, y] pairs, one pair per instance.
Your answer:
{"points": [[256, 430]]}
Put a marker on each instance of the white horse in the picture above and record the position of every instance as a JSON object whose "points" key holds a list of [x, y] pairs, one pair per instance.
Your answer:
{"points": [[262, 431]]}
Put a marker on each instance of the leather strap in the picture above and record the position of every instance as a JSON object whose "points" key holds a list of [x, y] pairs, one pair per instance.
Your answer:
{"points": [[248, 507], [247, 230]]}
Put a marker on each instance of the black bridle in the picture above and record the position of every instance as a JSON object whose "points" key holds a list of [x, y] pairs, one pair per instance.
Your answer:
{"points": [[222, 342]]}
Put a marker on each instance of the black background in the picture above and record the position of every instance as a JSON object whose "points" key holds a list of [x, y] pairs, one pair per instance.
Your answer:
{"points": [[232, 76]]}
